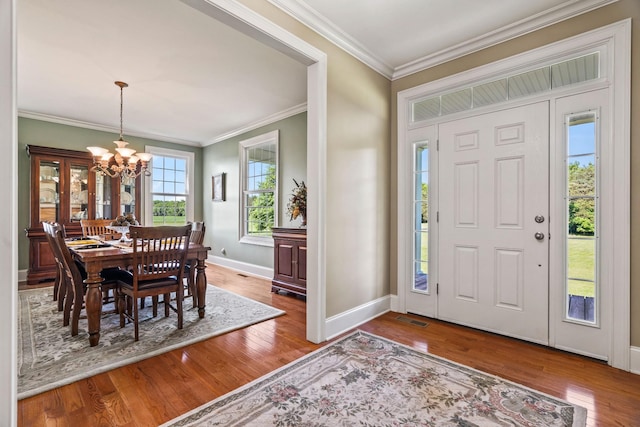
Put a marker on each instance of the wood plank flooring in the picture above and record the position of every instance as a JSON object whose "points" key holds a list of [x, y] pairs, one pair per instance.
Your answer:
{"points": [[156, 390]]}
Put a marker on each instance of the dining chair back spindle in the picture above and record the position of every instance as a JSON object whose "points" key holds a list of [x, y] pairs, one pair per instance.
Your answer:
{"points": [[95, 227], [159, 255]]}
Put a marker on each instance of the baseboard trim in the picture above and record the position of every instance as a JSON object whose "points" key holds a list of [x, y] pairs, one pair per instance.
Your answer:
{"points": [[395, 303], [634, 360], [340, 323], [22, 275], [243, 267]]}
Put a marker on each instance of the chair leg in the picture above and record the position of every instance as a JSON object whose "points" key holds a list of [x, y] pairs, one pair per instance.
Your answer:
{"points": [[68, 304], [179, 300], [56, 285], [121, 307], [78, 302], [191, 284], [135, 321], [62, 290], [167, 301], [154, 305]]}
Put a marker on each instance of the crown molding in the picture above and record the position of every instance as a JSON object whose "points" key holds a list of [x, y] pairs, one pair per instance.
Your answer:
{"points": [[327, 29], [94, 126], [530, 24], [102, 128], [264, 122], [309, 17]]}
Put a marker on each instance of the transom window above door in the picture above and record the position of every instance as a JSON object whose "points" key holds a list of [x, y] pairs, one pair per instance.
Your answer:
{"points": [[579, 69]]}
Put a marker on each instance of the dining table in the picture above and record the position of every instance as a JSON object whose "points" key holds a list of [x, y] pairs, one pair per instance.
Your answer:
{"points": [[101, 255]]}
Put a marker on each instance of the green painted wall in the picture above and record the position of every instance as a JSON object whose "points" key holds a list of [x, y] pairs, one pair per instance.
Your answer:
{"points": [[47, 134], [222, 218]]}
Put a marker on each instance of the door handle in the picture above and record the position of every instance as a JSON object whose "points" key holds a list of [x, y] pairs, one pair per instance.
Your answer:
{"points": [[539, 236]]}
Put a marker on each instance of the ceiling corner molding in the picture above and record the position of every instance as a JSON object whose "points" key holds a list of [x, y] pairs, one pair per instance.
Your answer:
{"points": [[102, 128], [318, 23], [264, 122], [533, 23]]}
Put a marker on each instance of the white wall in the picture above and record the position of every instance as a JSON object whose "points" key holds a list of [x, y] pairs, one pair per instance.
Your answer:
{"points": [[8, 216]]}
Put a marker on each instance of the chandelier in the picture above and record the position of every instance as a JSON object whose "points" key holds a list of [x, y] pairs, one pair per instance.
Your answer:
{"points": [[124, 162]]}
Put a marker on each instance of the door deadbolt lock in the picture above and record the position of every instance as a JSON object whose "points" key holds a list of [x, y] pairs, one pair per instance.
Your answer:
{"points": [[539, 219], [539, 236]]}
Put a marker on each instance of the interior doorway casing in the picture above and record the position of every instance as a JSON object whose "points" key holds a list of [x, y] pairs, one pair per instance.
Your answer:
{"points": [[616, 76], [254, 25]]}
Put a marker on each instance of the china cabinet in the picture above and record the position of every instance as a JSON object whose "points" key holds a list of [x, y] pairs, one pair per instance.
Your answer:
{"points": [[290, 260], [65, 190]]}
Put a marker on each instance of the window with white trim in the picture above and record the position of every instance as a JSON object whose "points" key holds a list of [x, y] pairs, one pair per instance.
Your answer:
{"points": [[170, 199], [259, 188]]}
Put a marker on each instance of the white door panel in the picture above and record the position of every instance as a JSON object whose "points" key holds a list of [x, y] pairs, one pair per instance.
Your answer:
{"points": [[493, 182]]}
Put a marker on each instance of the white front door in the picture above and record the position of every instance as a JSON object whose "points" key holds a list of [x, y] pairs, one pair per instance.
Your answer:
{"points": [[493, 222]]}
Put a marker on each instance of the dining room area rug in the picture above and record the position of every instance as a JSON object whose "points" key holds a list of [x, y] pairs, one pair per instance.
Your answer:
{"points": [[49, 357], [366, 380]]}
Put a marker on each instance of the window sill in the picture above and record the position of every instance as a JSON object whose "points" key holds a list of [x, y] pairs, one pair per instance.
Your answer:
{"points": [[257, 241]]}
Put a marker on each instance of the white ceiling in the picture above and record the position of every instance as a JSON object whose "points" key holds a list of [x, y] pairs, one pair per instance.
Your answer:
{"points": [[194, 80]]}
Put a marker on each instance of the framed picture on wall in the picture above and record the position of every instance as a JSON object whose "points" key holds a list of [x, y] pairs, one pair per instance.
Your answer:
{"points": [[217, 186]]}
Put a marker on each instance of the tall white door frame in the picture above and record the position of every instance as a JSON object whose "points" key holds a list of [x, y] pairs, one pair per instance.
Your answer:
{"points": [[615, 75], [254, 25]]}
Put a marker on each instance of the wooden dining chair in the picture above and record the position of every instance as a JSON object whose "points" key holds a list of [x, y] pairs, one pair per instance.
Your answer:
{"points": [[95, 227], [196, 236], [73, 278], [59, 284], [159, 255]]}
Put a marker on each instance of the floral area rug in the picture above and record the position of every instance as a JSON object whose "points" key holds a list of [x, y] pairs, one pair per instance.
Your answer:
{"points": [[49, 357], [365, 380]]}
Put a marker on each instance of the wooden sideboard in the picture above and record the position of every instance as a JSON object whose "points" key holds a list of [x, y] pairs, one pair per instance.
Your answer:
{"points": [[290, 260]]}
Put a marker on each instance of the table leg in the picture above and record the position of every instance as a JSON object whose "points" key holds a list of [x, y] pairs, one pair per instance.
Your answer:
{"points": [[201, 286], [93, 305]]}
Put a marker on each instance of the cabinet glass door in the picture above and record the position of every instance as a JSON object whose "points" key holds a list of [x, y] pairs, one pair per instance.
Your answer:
{"points": [[127, 196], [78, 192], [103, 197], [49, 206]]}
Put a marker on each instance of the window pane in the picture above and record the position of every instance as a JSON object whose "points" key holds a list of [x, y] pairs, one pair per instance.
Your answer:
{"points": [[421, 277], [421, 217], [581, 253], [169, 175], [169, 187], [169, 163], [581, 243], [582, 137], [169, 210]]}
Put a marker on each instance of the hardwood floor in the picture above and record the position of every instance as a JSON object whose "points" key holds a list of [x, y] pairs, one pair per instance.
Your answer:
{"points": [[156, 390]]}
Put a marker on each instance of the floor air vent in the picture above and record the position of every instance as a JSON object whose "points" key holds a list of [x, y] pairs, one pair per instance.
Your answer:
{"points": [[242, 275], [412, 321]]}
